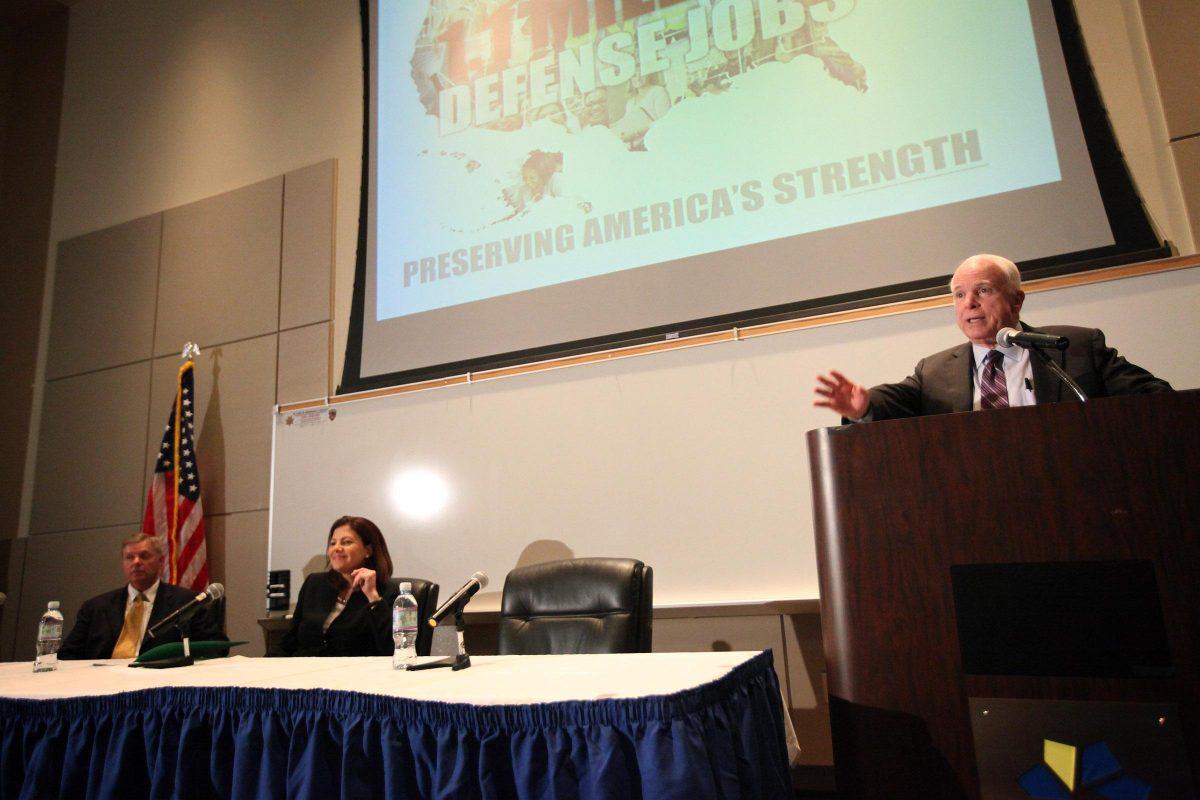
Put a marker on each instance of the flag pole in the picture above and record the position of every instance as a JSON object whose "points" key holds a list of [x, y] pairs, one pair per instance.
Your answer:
{"points": [[190, 351]]}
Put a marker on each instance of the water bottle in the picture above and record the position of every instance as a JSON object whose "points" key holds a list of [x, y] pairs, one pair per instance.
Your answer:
{"points": [[404, 628], [49, 639]]}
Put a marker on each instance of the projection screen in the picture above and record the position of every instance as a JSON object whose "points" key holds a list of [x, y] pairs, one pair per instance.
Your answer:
{"points": [[542, 174]]}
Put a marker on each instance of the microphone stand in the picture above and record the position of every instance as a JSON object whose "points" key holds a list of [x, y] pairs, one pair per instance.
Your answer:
{"points": [[1059, 372], [185, 660], [460, 661]]}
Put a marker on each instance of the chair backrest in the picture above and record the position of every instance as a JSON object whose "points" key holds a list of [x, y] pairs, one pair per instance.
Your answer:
{"points": [[579, 605], [426, 593], [216, 612]]}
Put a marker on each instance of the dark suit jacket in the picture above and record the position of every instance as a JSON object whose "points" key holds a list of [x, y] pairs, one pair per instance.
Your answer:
{"points": [[362, 629], [943, 383], [99, 621]]}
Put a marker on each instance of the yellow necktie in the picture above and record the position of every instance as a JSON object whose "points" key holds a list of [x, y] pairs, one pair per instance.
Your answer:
{"points": [[131, 632]]}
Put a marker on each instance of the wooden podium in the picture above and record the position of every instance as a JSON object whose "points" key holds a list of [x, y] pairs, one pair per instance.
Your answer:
{"points": [[901, 505]]}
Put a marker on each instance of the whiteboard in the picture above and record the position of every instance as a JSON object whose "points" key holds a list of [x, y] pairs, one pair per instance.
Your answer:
{"points": [[692, 460], [683, 460]]}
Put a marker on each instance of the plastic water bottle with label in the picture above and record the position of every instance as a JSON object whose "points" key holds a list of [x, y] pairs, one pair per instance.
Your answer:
{"points": [[404, 628], [49, 639]]}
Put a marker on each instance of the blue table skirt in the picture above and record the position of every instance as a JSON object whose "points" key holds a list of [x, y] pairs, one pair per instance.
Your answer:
{"points": [[724, 739]]}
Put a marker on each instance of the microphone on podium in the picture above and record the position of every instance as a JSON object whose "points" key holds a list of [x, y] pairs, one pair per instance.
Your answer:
{"points": [[476, 582], [1008, 337], [1034, 342]]}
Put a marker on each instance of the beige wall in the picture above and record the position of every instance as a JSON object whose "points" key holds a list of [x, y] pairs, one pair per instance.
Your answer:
{"points": [[1121, 55], [32, 46], [184, 126], [171, 101], [246, 273], [1170, 27]]}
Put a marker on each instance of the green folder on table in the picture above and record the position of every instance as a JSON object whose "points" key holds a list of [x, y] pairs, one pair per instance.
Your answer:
{"points": [[200, 650]]}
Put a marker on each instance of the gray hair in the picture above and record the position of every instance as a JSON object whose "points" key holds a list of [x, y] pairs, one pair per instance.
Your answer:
{"points": [[1012, 275], [137, 538]]}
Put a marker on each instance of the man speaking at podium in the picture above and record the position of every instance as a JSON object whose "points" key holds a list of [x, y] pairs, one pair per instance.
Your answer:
{"points": [[984, 374]]}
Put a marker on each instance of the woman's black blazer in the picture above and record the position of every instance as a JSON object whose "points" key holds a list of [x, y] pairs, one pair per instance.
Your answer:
{"points": [[362, 629]]}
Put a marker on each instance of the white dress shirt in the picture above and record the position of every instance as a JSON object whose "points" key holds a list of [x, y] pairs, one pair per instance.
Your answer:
{"points": [[1018, 375]]}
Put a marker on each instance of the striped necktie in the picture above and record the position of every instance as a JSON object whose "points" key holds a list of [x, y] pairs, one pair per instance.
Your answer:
{"points": [[993, 392], [131, 631]]}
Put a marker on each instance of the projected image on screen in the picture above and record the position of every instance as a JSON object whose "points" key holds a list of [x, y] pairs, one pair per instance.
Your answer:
{"points": [[545, 173], [555, 140]]}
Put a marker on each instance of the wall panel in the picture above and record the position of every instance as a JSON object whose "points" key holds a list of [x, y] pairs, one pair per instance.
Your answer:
{"points": [[1171, 27], [1187, 161], [304, 363], [308, 219], [105, 291], [241, 539], [92, 450], [93, 566], [219, 278], [13, 577]]}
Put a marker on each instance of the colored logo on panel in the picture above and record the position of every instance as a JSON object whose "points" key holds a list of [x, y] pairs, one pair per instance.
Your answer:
{"points": [[1066, 772]]}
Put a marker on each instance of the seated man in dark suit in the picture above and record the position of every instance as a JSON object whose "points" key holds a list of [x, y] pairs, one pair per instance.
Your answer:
{"points": [[114, 624], [980, 374]]}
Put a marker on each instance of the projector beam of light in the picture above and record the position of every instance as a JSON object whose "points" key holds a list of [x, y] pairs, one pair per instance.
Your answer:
{"points": [[419, 494]]}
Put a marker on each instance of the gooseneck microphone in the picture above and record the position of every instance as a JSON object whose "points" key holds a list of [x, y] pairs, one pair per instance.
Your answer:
{"points": [[214, 591], [1034, 342], [477, 581], [1009, 337]]}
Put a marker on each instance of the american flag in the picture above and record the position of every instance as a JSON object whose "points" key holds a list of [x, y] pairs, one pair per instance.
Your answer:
{"points": [[173, 510]]}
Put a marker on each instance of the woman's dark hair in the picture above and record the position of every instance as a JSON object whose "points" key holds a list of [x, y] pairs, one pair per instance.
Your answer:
{"points": [[379, 560]]}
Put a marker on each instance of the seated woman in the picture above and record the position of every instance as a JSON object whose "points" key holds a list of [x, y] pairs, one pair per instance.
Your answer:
{"points": [[346, 610]]}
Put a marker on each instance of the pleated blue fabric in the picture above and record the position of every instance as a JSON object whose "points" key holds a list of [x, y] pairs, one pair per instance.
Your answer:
{"points": [[724, 739]]}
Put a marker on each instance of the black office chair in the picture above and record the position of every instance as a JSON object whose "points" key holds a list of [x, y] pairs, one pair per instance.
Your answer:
{"points": [[426, 593], [216, 612], [580, 605]]}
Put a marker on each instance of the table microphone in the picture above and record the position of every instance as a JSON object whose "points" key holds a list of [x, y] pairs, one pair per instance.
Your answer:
{"points": [[477, 581], [214, 591]]}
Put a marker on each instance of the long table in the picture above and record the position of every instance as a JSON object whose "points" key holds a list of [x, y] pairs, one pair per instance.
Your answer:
{"points": [[653, 725]]}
